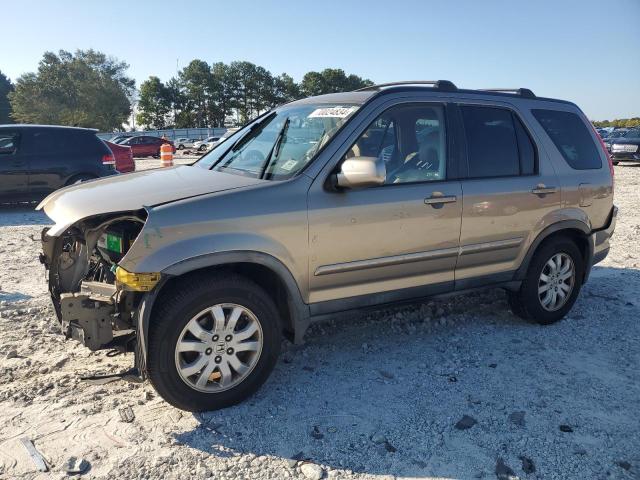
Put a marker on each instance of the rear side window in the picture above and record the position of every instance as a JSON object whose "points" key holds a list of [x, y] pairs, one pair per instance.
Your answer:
{"points": [[571, 137], [492, 143]]}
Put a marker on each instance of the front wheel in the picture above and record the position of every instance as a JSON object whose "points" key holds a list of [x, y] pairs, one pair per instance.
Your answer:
{"points": [[552, 283], [213, 341]]}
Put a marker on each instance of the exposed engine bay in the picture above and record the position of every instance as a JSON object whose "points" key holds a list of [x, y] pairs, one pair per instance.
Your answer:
{"points": [[91, 306]]}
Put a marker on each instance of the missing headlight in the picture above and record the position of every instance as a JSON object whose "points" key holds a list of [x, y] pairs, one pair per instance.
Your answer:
{"points": [[116, 240]]}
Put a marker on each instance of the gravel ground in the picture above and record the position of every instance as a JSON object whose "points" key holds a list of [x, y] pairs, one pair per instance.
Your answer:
{"points": [[455, 388]]}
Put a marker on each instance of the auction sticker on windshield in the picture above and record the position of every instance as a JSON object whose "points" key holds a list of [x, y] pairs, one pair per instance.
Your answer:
{"points": [[289, 164], [332, 112]]}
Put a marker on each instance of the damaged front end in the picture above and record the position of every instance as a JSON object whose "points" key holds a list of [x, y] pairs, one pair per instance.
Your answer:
{"points": [[95, 299]]}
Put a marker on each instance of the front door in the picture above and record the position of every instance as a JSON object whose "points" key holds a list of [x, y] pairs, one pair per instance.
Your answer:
{"points": [[394, 241]]}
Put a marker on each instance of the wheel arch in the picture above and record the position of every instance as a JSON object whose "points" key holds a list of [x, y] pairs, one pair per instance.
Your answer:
{"points": [[578, 231], [264, 269]]}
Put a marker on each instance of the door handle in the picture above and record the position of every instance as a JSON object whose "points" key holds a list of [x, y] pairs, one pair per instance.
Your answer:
{"points": [[542, 189], [438, 198]]}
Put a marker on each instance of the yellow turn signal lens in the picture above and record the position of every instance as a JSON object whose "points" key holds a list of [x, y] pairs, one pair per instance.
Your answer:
{"points": [[138, 282]]}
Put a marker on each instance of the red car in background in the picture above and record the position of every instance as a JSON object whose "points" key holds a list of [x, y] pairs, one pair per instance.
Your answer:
{"points": [[123, 157], [146, 146]]}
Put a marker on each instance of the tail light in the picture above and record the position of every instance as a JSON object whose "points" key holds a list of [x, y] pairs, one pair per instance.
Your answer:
{"points": [[108, 159]]}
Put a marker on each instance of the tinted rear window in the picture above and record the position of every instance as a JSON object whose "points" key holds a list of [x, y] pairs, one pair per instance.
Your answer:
{"points": [[572, 138], [58, 140]]}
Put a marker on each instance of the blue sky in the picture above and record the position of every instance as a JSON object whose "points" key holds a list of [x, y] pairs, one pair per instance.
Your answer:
{"points": [[581, 50]]}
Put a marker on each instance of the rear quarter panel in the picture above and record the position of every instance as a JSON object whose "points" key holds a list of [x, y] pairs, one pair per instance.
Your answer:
{"points": [[589, 192]]}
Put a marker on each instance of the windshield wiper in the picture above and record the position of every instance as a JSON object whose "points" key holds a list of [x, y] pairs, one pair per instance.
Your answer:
{"points": [[275, 150], [253, 132]]}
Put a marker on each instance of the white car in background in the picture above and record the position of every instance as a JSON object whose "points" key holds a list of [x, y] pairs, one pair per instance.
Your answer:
{"points": [[205, 144], [182, 143]]}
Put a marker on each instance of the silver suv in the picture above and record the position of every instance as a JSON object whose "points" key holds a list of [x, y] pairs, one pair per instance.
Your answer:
{"points": [[391, 193]]}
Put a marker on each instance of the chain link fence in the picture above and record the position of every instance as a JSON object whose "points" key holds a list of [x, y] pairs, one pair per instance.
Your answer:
{"points": [[171, 133]]}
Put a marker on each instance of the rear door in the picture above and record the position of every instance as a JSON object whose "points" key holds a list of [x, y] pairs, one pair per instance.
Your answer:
{"points": [[13, 167], [509, 188], [47, 153], [57, 156]]}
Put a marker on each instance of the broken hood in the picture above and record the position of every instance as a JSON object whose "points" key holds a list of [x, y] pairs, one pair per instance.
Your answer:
{"points": [[133, 191]]}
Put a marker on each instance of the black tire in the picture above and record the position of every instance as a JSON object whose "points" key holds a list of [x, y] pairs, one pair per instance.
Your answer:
{"points": [[180, 147], [174, 311], [525, 303]]}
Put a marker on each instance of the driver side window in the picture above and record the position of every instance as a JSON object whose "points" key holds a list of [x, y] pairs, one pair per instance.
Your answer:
{"points": [[410, 139]]}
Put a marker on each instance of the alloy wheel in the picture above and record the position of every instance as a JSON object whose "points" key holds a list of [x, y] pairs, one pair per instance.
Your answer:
{"points": [[219, 347], [556, 282]]}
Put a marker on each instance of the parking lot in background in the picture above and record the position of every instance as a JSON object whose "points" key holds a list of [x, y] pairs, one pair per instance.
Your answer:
{"points": [[179, 158]]}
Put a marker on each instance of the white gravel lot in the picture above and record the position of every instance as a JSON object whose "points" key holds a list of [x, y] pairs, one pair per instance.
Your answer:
{"points": [[370, 396]]}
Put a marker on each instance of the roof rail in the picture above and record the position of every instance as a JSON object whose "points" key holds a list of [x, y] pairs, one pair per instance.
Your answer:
{"points": [[444, 85], [523, 92]]}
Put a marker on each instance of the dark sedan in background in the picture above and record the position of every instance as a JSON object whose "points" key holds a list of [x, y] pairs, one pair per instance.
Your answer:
{"points": [[35, 160], [626, 148], [611, 136]]}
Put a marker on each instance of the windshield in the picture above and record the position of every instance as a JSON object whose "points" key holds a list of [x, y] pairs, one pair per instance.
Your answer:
{"points": [[632, 134], [279, 144]]}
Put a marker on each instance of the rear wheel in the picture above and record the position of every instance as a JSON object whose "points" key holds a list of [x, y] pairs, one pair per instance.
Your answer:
{"points": [[213, 342], [552, 283]]}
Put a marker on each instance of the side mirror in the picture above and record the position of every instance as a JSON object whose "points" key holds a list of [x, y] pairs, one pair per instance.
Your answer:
{"points": [[359, 172]]}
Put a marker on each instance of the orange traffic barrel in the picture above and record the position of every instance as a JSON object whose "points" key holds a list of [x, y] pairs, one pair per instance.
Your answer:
{"points": [[166, 155]]}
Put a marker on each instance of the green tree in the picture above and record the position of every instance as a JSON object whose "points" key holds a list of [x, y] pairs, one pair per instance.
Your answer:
{"points": [[331, 80], [155, 104], [87, 89], [313, 83], [196, 80], [285, 89], [619, 123], [5, 107], [223, 88], [181, 109]]}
